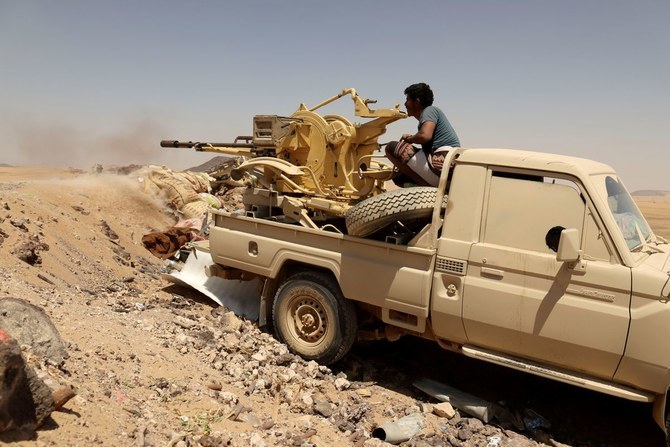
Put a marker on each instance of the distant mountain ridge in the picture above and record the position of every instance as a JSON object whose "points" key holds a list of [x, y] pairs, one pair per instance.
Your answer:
{"points": [[650, 192], [211, 164]]}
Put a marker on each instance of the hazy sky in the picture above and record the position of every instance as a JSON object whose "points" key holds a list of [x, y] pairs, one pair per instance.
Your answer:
{"points": [[83, 82]]}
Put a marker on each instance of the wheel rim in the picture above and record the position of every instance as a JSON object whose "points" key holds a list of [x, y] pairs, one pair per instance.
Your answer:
{"points": [[307, 320]]}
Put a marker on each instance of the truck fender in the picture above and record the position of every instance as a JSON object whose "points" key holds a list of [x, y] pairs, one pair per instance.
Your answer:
{"points": [[286, 258]]}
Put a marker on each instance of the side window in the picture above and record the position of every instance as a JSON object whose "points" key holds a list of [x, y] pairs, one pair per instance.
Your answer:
{"points": [[523, 210], [594, 245]]}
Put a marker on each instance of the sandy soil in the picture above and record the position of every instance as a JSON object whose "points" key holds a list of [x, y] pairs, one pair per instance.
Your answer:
{"points": [[656, 210], [141, 355]]}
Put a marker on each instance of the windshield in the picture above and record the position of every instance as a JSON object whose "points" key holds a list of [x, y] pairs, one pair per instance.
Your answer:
{"points": [[626, 214]]}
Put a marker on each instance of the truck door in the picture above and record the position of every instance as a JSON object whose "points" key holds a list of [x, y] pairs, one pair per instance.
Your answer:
{"points": [[520, 300]]}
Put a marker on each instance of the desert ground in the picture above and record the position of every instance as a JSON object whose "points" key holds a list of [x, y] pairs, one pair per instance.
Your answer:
{"points": [[154, 364]]}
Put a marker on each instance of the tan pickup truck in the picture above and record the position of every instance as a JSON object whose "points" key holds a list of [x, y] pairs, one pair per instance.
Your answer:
{"points": [[539, 262]]}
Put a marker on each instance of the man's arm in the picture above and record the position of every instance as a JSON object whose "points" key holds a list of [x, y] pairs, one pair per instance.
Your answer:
{"points": [[424, 135]]}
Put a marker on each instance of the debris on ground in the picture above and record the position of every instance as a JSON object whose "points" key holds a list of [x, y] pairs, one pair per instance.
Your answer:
{"points": [[468, 403], [25, 400], [31, 327]]}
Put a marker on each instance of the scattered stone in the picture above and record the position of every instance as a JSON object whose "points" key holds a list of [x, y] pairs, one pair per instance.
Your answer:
{"points": [[29, 251], [342, 384], [186, 323], [323, 407], [26, 400], [20, 224], [444, 410], [111, 234], [284, 359], [80, 210], [426, 407], [32, 327], [216, 386], [45, 279], [364, 392], [468, 427], [229, 322]]}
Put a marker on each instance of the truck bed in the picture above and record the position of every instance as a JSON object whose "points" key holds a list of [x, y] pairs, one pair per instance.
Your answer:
{"points": [[402, 274]]}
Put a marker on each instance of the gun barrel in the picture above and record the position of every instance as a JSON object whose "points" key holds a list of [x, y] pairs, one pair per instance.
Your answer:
{"points": [[175, 143], [200, 146]]}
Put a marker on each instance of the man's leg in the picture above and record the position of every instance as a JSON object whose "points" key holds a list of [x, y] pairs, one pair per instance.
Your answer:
{"points": [[399, 153]]}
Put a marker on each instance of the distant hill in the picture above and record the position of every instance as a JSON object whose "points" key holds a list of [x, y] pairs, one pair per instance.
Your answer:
{"points": [[210, 165], [5, 165], [650, 192]]}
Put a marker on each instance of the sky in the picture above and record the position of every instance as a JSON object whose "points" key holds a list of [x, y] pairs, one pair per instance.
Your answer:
{"points": [[86, 82]]}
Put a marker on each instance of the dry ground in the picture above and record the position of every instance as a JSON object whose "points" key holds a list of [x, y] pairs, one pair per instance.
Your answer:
{"points": [[141, 378]]}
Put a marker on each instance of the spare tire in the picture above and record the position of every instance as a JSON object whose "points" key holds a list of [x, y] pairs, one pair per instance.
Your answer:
{"points": [[404, 205]]}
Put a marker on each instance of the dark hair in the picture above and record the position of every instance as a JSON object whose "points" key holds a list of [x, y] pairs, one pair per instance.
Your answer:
{"points": [[422, 92]]}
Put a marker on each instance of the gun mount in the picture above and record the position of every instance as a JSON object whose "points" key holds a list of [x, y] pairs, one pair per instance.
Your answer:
{"points": [[310, 165]]}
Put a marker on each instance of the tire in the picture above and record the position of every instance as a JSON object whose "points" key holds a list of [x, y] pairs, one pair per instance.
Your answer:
{"points": [[406, 204], [313, 319]]}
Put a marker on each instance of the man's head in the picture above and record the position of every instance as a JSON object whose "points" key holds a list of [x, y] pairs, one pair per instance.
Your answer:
{"points": [[418, 97]]}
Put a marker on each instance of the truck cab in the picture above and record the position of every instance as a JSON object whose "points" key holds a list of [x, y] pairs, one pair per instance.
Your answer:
{"points": [[555, 265]]}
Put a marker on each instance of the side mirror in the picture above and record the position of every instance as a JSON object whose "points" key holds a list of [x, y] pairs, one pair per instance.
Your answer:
{"points": [[568, 246]]}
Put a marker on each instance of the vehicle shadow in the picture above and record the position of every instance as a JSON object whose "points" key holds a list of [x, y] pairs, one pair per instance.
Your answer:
{"points": [[577, 416]]}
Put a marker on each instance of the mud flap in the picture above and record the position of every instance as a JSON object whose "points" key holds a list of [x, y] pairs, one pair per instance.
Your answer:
{"points": [[241, 297], [661, 415]]}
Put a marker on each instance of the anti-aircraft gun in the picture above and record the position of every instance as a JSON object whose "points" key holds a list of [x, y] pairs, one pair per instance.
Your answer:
{"points": [[313, 167]]}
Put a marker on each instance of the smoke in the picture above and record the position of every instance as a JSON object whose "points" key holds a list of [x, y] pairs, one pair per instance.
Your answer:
{"points": [[31, 143]]}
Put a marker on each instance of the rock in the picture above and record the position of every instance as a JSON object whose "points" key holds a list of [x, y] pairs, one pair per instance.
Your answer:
{"points": [[256, 440], [186, 323], [229, 322], [250, 419], [80, 209], [26, 402], [19, 223], [29, 251], [111, 234], [259, 357], [342, 384], [215, 386], [307, 399], [426, 407], [323, 407], [364, 392], [467, 428], [284, 359], [444, 410], [31, 326]]}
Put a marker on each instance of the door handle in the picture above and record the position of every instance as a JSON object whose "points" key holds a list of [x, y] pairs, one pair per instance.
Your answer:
{"points": [[492, 272]]}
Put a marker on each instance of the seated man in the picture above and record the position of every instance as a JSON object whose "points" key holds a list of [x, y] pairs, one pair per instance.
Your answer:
{"points": [[423, 165]]}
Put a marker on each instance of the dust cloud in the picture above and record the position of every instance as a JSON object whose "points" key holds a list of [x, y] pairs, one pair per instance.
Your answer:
{"points": [[30, 143]]}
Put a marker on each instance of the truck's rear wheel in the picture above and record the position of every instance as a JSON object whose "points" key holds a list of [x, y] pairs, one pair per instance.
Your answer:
{"points": [[403, 205], [312, 317]]}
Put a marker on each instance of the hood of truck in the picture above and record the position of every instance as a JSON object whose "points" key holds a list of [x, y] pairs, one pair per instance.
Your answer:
{"points": [[657, 283], [660, 261]]}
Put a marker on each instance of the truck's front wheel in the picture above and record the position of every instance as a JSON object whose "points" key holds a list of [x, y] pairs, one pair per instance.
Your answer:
{"points": [[312, 317]]}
